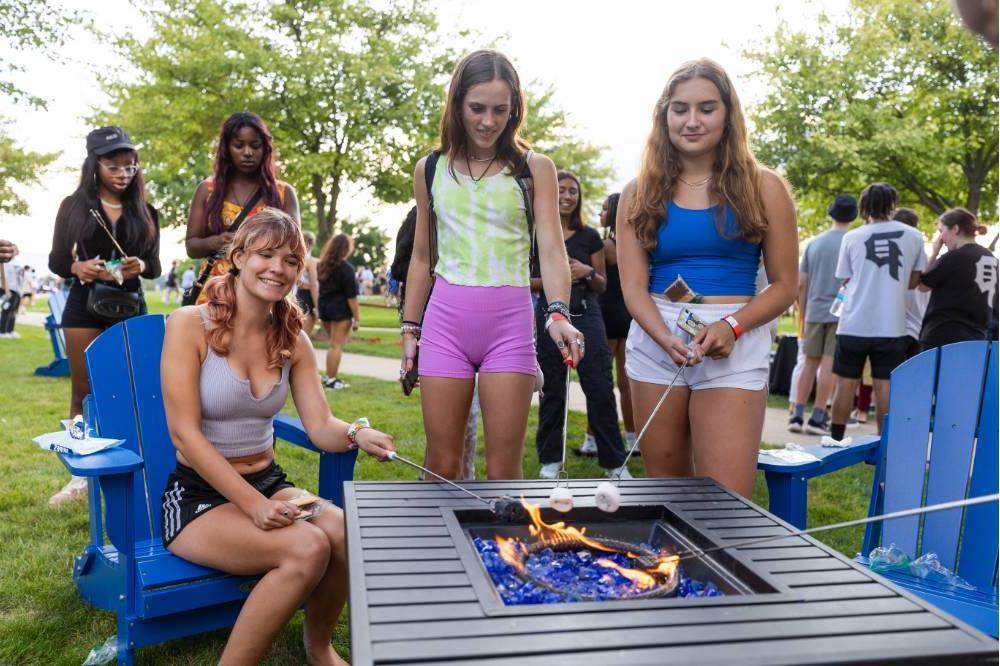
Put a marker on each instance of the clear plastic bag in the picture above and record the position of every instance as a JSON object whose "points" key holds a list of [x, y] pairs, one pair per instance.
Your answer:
{"points": [[927, 566], [103, 653]]}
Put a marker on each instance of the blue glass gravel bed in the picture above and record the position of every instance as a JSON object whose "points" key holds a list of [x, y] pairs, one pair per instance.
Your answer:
{"points": [[572, 571]]}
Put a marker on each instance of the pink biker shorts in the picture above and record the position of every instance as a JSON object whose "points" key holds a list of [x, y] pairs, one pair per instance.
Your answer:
{"points": [[470, 329]]}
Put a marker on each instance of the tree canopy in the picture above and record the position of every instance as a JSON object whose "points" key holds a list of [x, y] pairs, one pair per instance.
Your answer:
{"points": [[896, 91], [25, 25], [351, 90]]}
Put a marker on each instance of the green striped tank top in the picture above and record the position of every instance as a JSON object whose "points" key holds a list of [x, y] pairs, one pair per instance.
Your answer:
{"points": [[482, 229]]}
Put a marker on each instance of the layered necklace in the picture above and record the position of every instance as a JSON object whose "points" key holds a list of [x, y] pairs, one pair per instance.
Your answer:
{"points": [[697, 185], [468, 164]]}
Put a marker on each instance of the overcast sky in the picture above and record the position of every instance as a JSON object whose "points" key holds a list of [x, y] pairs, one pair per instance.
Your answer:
{"points": [[608, 61]]}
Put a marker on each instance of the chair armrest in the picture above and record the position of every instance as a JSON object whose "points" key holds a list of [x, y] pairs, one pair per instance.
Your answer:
{"points": [[863, 449], [116, 460], [289, 428]]}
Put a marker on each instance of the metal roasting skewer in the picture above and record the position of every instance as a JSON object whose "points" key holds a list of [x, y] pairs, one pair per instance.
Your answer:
{"points": [[944, 506], [635, 445], [395, 456], [568, 364]]}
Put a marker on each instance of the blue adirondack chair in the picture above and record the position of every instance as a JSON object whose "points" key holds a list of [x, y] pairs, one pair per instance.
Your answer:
{"points": [[939, 443], [59, 367], [156, 595]]}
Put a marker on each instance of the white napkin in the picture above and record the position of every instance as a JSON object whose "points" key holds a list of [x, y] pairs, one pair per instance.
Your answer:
{"points": [[790, 456], [61, 442]]}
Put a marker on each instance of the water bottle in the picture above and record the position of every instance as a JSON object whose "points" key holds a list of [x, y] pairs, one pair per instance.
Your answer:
{"points": [[839, 301]]}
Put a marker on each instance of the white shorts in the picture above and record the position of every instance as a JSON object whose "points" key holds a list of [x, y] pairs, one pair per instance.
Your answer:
{"points": [[746, 367]]}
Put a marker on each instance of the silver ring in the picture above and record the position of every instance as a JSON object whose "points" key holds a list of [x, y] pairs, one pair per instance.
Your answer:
{"points": [[560, 344], [578, 341], [284, 513]]}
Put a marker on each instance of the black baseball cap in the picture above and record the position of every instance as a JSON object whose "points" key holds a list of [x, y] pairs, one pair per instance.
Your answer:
{"points": [[104, 140]]}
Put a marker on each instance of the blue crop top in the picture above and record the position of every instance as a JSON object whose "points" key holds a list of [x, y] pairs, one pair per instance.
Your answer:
{"points": [[689, 245]]}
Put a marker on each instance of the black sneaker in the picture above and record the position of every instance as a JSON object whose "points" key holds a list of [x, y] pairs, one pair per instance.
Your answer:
{"points": [[817, 427], [795, 424]]}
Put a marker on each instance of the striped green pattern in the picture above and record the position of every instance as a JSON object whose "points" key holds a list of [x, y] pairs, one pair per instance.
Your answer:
{"points": [[482, 229]]}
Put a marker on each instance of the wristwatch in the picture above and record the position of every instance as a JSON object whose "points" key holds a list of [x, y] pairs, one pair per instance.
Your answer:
{"points": [[353, 430]]}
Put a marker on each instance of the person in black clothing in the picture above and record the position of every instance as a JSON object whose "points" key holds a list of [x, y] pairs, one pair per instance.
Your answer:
{"points": [[112, 189], [338, 302], [587, 270], [963, 283]]}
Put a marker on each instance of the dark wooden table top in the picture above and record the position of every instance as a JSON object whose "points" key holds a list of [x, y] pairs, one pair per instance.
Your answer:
{"points": [[411, 600]]}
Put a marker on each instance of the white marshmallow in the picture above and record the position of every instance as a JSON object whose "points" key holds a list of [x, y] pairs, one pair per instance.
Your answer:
{"points": [[561, 499], [607, 498]]}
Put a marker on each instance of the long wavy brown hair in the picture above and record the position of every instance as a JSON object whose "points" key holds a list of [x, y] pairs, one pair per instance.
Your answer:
{"points": [[335, 252], [736, 172], [270, 228], [478, 67]]}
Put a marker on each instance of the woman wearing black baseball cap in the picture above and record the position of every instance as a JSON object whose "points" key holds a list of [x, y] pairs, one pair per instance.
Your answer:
{"points": [[106, 237]]}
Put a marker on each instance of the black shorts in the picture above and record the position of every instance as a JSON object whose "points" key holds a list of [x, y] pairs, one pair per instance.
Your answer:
{"points": [[75, 313], [884, 353], [334, 309], [305, 299], [188, 495]]}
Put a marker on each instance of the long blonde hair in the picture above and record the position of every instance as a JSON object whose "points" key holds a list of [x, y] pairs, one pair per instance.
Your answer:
{"points": [[270, 228], [735, 169]]}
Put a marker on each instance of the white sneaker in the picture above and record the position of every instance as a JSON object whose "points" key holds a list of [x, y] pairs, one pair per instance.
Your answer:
{"points": [[14, 334], [589, 447], [613, 473], [549, 471]]}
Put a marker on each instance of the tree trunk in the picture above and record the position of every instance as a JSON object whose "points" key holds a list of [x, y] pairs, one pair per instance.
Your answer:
{"points": [[322, 229], [331, 213], [975, 181]]}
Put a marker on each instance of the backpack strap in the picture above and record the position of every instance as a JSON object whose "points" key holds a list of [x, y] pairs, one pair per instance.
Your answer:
{"points": [[430, 165], [525, 181]]}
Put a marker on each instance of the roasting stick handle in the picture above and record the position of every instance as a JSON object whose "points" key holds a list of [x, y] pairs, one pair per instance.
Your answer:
{"points": [[930, 508], [395, 456], [635, 444]]}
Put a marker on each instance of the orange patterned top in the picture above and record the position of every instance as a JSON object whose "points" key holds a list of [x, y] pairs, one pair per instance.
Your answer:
{"points": [[230, 211]]}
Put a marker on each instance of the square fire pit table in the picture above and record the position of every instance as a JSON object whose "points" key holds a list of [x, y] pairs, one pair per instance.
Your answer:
{"points": [[419, 593]]}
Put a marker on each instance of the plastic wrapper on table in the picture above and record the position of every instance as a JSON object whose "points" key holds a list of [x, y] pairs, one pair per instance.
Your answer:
{"points": [[928, 566]]}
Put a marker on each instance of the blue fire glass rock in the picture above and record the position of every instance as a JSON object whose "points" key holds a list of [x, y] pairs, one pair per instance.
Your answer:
{"points": [[575, 573]]}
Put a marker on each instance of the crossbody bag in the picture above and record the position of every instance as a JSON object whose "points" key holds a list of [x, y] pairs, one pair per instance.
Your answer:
{"points": [[192, 293]]}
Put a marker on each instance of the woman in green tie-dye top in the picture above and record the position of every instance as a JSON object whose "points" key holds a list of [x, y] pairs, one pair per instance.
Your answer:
{"points": [[479, 318]]}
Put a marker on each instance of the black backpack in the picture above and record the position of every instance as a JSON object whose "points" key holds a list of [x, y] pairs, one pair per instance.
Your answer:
{"points": [[404, 238], [404, 247]]}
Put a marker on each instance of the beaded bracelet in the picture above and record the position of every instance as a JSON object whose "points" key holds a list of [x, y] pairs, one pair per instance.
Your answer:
{"points": [[411, 328], [558, 307]]}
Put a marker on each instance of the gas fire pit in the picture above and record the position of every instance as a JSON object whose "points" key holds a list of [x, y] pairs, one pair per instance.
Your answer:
{"points": [[427, 586]]}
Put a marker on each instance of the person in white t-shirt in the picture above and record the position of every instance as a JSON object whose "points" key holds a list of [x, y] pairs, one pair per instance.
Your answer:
{"points": [[880, 263]]}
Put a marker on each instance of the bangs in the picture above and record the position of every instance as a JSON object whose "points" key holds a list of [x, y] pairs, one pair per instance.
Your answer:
{"points": [[271, 229]]}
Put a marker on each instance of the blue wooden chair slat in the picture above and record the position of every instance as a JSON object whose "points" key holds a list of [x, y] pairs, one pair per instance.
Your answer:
{"points": [[114, 403], [977, 562], [156, 595], [906, 445], [956, 413], [144, 337]]}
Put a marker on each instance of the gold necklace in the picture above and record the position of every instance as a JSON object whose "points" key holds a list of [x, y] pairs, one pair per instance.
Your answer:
{"points": [[482, 159], [695, 186]]}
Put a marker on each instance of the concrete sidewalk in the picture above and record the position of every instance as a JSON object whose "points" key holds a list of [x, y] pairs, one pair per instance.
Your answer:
{"points": [[775, 420]]}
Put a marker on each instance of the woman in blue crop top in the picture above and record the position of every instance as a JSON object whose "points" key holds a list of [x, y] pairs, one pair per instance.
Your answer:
{"points": [[702, 209], [227, 503]]}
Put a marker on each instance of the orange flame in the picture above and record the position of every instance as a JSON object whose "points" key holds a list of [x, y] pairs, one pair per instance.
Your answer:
{"points": [[513, 551], [641, 579]]}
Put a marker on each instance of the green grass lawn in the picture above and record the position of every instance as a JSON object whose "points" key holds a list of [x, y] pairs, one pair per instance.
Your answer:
{"points": [[44, 621]]}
